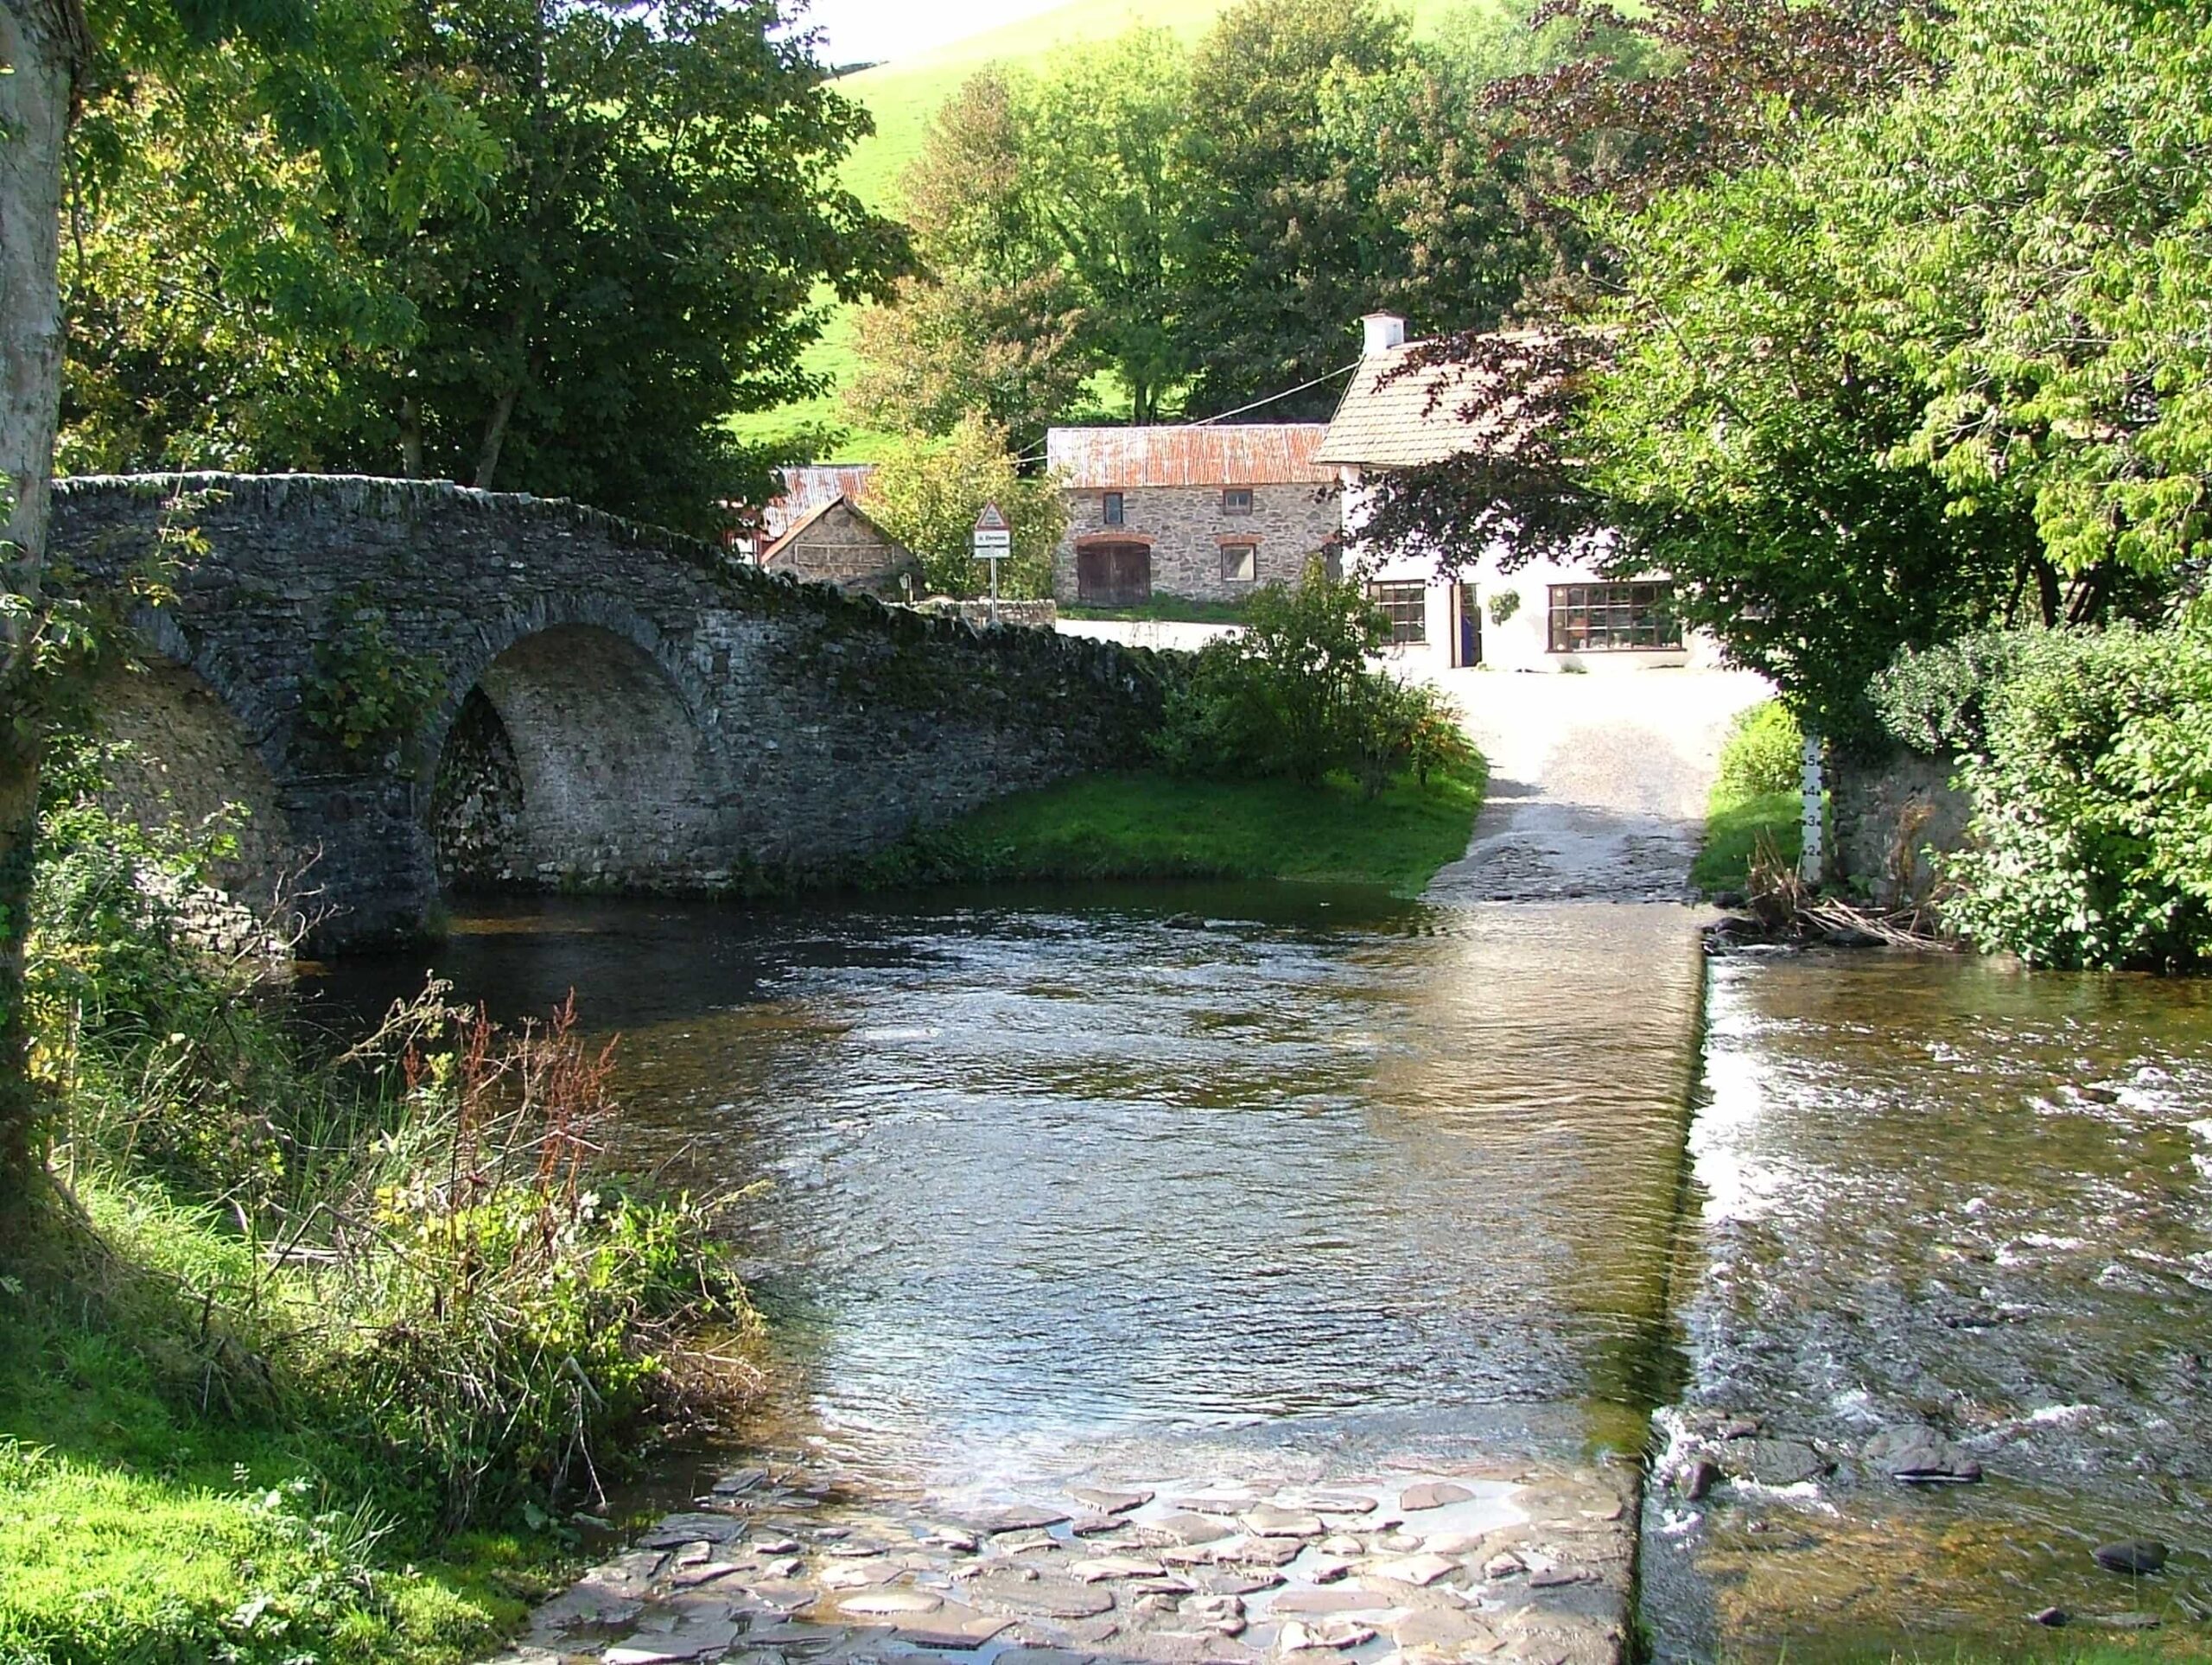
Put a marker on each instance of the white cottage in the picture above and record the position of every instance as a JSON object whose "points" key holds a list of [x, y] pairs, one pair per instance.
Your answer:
{"points": [[1543, 615]]}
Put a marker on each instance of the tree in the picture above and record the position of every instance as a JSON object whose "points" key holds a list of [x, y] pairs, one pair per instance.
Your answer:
{"points": [[1099, 137], [1285, 243], [991, 324], [321, 74], [928, 491]]}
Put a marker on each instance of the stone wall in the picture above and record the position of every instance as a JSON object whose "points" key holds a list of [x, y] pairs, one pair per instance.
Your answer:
{"points": [[644, 712], [843, 547], [1186, 527], [1888, 812], [1035, 615]]}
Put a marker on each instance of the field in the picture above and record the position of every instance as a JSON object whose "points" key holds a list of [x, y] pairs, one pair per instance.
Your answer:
{"points": [[903, 96]]}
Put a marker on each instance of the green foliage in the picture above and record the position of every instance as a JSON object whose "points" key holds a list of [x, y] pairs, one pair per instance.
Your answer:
{"points": [[1153, 827], [1503, 604], [1936, 699], [604, 237], [394, 1290], [926, 494], [2091, 841], [368, 693], [1764, 753], [1757, 806], [1291, 694]]}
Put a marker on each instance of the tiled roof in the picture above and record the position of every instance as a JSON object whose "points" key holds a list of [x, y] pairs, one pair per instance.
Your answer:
{"points": [[1397, 413], [809, 490], [1212, 454]]}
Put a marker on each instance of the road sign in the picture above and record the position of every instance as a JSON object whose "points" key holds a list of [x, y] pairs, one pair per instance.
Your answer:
{"points": [[993, 541], [990, 545], [990, 520]]}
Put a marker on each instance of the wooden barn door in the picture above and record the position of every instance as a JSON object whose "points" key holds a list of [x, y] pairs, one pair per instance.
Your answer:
{"points": [[1113, 575]]}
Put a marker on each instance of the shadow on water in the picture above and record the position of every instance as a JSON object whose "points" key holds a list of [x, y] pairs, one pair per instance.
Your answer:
{"points": [[1060, 1177]]}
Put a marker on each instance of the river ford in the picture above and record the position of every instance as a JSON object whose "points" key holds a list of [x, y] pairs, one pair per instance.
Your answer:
{"points": [[1359, 1240]]}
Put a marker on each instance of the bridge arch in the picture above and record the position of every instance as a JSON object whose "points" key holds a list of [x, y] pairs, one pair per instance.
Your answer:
{"points": [[187, 756], [572, 754]]}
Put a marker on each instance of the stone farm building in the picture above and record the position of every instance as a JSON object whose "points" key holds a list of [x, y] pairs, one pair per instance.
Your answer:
{"points": [[819, 530], [1543, 615], [1208, 512]]}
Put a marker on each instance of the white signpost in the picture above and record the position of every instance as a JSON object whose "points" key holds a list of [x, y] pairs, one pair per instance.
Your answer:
{"points": [[993, 541]]}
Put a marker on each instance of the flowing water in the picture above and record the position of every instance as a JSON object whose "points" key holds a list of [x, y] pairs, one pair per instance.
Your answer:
{"points": [[1936, 1190], [1176, 1184], [1138, 1175]]}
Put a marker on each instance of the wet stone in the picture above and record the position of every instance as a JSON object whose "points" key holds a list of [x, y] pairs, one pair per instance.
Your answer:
{"points": [[955, 1627], [1919, 1456], [1055, 1598], [740, 1480], [1322, 1502], [1434, 1495], [1185, 1528], [1093, 1570], [1107, 1501], [1267, 1521], [1009, 1517], [1771, 1462], [1264, 1552], [2137, 1556], [883, 1603], [1093, 1526], [1447, 1628], [1420, 1571]]}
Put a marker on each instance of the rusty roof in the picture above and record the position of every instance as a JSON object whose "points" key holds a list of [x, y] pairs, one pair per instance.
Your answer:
{"points": [[808, 491], [1210, 455], [1397, 413]]}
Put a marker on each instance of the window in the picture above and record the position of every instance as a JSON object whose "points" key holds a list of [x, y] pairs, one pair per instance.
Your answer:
{"points": [[1406, 605], [1613, 618], [1240, 562], [1237, 499], [1110, 511]]}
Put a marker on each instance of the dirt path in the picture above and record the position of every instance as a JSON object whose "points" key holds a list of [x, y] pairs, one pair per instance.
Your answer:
{"points": [[1597, 783]]}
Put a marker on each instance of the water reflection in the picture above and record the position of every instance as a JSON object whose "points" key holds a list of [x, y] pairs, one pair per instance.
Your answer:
{"points": [[1065, 1173]]}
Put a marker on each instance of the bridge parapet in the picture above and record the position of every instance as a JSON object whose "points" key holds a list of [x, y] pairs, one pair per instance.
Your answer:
{"points": [[611, 706]]}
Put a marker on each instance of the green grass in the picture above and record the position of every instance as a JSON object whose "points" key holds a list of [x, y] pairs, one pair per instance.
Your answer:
{"points": [[1754, 801], [148, 1514], [1154, 826], [1733, 829]]}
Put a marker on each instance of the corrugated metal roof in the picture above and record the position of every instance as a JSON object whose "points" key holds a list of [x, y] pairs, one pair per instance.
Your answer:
{"points": [[1215, 454], [1397, 414], [810, 489]]}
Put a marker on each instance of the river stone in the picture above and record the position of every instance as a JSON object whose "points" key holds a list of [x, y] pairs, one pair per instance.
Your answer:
{"points": [[1558, 1578], [1266, 1521], [954, 1626], [739, 1480], [699, 1572], [1919, 1456], [1216, 1500], [858, 1575], [778, 1597], [1265, 1551], [1700, 1478], [1115, 1567], [1095, 1526], [1234, 1580], [952, 1538], [1772, 1462], [1439, 1627], [1327, 1569], [678, 1529], [1054, 1598], [1432, 1495], [1421, 1571], [884, 1604], [1107, 1501], [1454, 1543], [2133, 1555], [1318, 1501], [1342, 1543], [1009, 1517], [1185, 1528], [1350, 1599]]}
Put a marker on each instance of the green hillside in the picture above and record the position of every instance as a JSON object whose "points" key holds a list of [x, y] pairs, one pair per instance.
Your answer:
{"points": [[903, 96]]}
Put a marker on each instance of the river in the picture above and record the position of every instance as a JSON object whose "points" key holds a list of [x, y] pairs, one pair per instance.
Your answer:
{"points": [[1260, 1187]]}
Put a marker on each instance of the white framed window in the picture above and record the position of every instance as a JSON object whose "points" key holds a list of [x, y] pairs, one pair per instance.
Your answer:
{"points": [[1406, 605], [1240, 563], [1236, 500], [1614, 618]]}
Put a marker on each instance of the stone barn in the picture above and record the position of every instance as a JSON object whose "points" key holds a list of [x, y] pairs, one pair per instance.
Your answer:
{"points": [[836, 543]]}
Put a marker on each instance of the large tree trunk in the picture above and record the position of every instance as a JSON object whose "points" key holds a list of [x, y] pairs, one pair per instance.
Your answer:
{"points": [[42, 47]]}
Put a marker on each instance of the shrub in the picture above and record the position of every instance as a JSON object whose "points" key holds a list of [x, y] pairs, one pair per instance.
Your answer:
{"points": [[1504, 604], [1935, 699], [2091, 778], [1764, 754], [367, 695], [1292, 696]]}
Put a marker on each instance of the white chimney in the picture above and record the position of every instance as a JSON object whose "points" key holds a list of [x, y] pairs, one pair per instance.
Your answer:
{"points": [[1384, 331]]}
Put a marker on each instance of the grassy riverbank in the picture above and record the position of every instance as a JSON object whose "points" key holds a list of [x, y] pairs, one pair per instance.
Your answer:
{"points": [[1156, 826], [309, 1361], [1754, 804]]}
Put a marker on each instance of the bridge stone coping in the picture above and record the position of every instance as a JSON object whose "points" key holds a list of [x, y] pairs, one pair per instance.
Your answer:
{"points": [[616, 706]]}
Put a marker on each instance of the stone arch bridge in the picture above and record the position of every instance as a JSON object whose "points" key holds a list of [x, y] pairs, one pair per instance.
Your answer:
{"points": [[601, 705]]}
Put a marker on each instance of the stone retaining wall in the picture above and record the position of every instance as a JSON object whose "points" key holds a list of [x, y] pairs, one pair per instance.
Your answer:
{"points": [[1888, 813]]}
